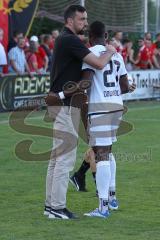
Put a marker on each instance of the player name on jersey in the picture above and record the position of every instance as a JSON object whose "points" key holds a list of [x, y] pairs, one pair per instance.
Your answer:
{"points": [[111, 93]]}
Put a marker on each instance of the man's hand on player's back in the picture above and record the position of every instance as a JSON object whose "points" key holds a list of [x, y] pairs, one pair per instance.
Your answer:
{"points": [[110, 49], [100, 62]]}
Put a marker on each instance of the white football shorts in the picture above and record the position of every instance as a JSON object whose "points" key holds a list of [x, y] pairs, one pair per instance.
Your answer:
{"points": [[102, 128]]}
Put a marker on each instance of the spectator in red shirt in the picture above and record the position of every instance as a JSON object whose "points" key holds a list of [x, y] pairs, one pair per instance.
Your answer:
{"points": [[147, 36], [149, 43], [152, 53], [143, 58], [42, 58], [128, 54], [113, 43], [118, 36], [32, 58]]}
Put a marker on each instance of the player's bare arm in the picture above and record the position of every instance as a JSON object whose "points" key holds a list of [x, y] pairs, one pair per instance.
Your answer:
{"points": [[71, 87], [125, 86], [86, 75]]}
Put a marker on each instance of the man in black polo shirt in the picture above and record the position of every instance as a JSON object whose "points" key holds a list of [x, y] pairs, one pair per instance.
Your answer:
{"points": [[69, 53]]}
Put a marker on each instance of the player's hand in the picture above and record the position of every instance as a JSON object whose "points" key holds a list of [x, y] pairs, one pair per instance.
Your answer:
{"points": [[111, 49], [132, 87]]}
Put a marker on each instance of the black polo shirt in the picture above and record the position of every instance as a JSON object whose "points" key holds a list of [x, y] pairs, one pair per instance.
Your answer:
{"points": [[68, 55]]}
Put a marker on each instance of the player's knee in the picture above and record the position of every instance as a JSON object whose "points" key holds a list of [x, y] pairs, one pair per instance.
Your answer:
{"points": [[102, 158], [101, 153]]}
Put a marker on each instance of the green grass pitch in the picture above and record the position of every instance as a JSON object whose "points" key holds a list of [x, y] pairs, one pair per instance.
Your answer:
{"points": [[22, 185]]}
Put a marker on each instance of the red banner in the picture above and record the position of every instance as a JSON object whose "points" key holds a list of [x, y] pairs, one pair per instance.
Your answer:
{"points": [[16, 15], [4, 21]]}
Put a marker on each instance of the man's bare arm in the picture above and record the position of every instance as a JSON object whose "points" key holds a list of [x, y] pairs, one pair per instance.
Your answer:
{"points": [[100, 62]]}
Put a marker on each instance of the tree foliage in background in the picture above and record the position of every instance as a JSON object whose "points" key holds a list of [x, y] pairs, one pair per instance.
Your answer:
{"points": [[44, 26]]}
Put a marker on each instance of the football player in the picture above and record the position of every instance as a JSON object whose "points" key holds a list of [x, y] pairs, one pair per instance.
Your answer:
{"points": [[105, 110]]}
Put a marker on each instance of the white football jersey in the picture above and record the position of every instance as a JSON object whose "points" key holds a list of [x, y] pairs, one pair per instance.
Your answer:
{"points": [[105, 92]]}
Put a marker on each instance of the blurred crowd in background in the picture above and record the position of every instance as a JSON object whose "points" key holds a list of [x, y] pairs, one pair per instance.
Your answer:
{"points": [[34, 55]]}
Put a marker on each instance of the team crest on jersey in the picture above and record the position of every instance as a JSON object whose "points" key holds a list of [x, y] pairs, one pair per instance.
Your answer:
{"points": [[17, 5]]}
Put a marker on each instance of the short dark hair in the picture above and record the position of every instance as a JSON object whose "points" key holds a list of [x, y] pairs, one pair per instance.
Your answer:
{"points": [[126, 40], [97, 29], [71, 10], [16, 33], [46, 37], [140, 39]]}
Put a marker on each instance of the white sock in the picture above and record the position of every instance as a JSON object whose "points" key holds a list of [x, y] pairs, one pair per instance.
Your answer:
{"points": [[112, 184], [103, 175]]}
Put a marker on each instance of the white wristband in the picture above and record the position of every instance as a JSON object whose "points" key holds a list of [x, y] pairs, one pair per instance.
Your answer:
{"points": [[61, 95]]}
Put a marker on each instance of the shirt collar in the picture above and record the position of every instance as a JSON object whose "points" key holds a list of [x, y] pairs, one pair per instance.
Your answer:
{"points": [[67, 30], [141, 49]]}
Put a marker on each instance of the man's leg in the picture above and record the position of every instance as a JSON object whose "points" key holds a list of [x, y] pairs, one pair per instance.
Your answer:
{"points": [[49, 180], [53, 114], [66, 134]]}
